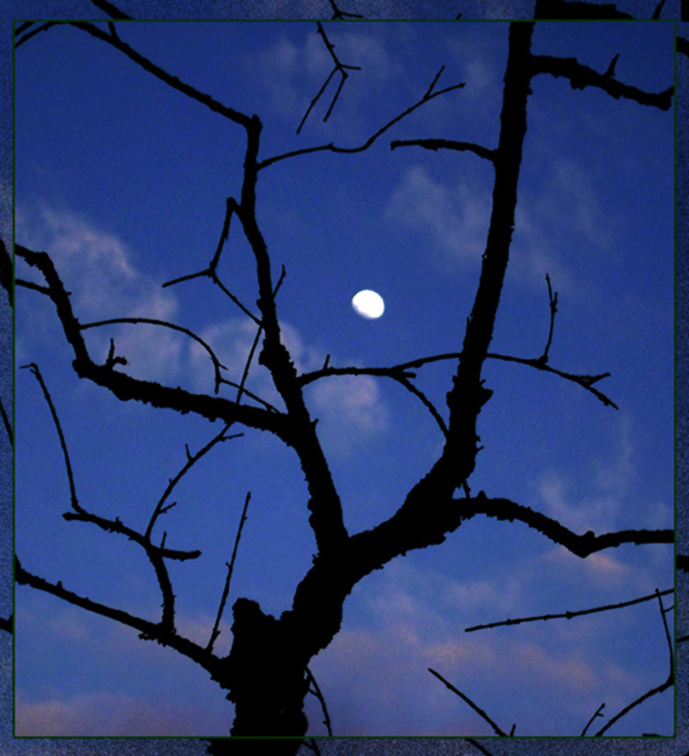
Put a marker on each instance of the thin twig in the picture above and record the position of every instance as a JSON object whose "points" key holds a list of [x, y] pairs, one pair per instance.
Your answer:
{"points": [[230, 567], [111, 10], [598, 713], [473, 742], [33, 367], [654, 691], [151, 321], [470, 702], [159, 73], [339, 67], [350, 150], [37, 30], [553, 309], [192, 459], [567, 615], [317, 692]]}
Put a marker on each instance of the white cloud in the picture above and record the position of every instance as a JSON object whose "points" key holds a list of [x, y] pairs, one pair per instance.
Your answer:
{"points": [[455, 218], [100, 272]]}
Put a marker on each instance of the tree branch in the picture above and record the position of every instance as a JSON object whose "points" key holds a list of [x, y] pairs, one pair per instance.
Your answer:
{"points": [[580, 545], [159, 73], [341, 67], [654, 691], [148, 630], [581, 76], [216, 362], [192, 459], [111, 10], [127, 388], [349, 150], [568, 615], [72, 488], [230, 567], [446, 144], [339, 15], [476, 708]]}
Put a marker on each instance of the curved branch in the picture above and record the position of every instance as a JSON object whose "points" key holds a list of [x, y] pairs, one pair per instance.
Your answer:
{"points": [[115, 526], [37, 30], [476, 708], [446, 144], [332, 148], [580, 545], [33, 367], [581, 76], [654, 691], [152, 321]]}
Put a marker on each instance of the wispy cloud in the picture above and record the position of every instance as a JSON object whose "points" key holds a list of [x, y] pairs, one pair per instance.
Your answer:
{"points": [[455, 218], [605, 494], [383, 665], [99, 270]]}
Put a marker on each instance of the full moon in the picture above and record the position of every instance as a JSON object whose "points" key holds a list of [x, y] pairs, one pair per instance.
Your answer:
{"points": [[368, 304]]}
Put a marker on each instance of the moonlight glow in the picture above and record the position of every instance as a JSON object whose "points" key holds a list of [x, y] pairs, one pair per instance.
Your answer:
{"points": [[368, 304]]}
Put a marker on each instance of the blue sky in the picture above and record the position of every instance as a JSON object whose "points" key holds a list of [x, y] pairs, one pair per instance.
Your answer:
{"points": [[125, 181]]}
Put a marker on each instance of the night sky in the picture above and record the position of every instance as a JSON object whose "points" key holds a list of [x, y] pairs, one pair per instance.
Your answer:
{"points": [[125, 182]]}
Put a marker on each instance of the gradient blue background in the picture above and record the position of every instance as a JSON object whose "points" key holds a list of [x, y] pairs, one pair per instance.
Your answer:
{"points": [[529, 287]]}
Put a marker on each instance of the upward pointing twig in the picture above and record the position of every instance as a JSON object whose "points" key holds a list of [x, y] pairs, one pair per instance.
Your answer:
{"points": [[230, 567]]}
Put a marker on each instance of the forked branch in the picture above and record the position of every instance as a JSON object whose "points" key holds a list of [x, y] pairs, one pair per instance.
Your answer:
{"points": [[349, 150], [340, 67]]}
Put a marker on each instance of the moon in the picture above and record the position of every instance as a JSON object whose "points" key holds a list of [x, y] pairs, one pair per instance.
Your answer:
{"points": [[368, 304]]}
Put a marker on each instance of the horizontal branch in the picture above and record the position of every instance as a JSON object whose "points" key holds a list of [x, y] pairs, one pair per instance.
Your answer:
{"points": [[446, 144], [568, 615], [398, 372], [429, 514], [580, 545], [581, 76]]}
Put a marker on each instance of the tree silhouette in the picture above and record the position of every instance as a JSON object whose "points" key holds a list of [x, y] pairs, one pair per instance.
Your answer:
{"points": [[266, 671]]}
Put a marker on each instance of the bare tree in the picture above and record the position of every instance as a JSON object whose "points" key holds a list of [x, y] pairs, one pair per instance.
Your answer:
{"points": [[266, 671]]}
